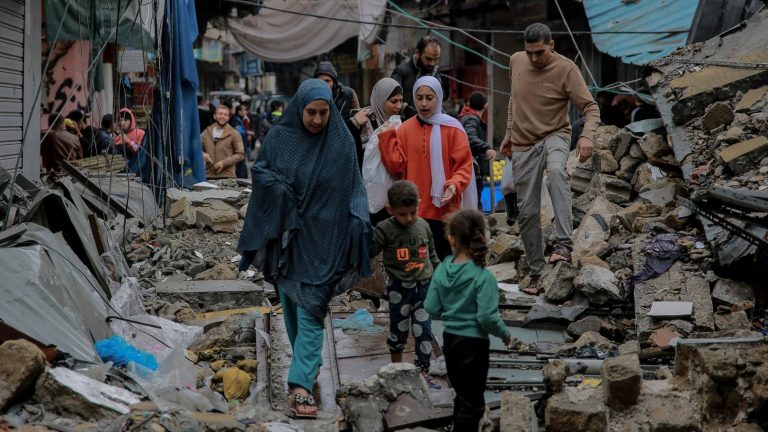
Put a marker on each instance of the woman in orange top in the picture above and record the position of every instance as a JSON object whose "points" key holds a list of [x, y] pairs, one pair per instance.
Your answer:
{"points": [[432, 150]]}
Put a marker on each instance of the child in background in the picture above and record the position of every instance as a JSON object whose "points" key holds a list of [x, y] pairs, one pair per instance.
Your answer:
{"points": [[409, 260], [466, 296]]}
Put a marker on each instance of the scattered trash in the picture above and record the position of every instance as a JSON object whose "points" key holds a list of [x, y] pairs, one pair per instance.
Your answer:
{"points": [[120, 352], [359, 322]]}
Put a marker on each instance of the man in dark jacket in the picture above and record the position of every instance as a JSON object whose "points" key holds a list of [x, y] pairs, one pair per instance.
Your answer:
{"points": [[346, 101], [59, 145], [423, 63]]}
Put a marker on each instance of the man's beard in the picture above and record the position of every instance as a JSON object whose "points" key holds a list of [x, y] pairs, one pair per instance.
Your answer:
{"points": [[218, 123]]}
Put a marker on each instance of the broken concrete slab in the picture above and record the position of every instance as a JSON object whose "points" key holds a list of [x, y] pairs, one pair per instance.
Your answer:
{"points": [[217, 219], [628, 215], [218, 273], [750, 98], [581, 179], [604, 162], [654, 146], [622, 381], [549, 312], [516, 413], [671, 309], [558, 282], [604, 138], [733, 321], [555, 372], [627, 167], [589, 323], [68, 392], [198, 198], [598, 284], [504, 272], [212, 294], [661, 193], [622, 142], [745, 155], [595, 227], [505, 248], [576, 410], [731, 292], [21, 363]]}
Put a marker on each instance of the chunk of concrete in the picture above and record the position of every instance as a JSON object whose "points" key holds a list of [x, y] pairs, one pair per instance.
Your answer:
{"points": [[642, 177], [622, 381], [671, 309], [605, 138], [581, 179], [243, 211], [210, 294], [558, 282], [201, 197], [555, 372], [217, 219], [599, 285], [717, 114], [628, 215], [745, 155], [604, 162], [586, 324], [68, 392], [516, 413], [576, 410], [504, 272], [660, 193], [731, 292], [612, 188], [627, 167], [549, 312], [733, 321], [750, 98], [505, 248], [654, 146], [595, 227], [622, 143], [21, 363], [218, 272]]}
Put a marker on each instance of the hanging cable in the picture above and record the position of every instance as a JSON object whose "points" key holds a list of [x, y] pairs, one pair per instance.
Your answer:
{"points": [[576, 45]]}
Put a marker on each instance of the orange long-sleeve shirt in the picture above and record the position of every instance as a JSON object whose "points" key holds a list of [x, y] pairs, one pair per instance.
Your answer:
{"points": [[405, 154]]}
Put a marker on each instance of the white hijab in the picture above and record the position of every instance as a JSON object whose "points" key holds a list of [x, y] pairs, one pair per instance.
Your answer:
{"points": [[469, 195]]}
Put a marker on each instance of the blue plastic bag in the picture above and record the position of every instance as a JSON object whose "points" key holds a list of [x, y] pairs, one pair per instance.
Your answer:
{"points": [[120, 352], [359, 322]]}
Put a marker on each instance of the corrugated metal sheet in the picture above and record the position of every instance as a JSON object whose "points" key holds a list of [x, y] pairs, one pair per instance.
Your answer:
{"points": [[671, 16], [11, 80]]}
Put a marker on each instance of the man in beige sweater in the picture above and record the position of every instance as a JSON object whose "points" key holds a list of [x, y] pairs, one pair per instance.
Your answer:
{"points": [[222, 146], [543, 83]]}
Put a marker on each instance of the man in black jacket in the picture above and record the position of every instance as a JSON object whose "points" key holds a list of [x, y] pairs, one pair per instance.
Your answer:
{"points": [[346, 101], [423, 63]]}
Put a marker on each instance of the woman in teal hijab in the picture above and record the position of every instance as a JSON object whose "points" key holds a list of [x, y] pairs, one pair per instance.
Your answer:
{"points": [[307, 227]]}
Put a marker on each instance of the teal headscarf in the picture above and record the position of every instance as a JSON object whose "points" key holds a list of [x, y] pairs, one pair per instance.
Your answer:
{"points": [[307, 226]]}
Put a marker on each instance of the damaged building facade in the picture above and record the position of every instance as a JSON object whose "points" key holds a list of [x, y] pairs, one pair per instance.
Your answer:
{"points": [[119, 313]]}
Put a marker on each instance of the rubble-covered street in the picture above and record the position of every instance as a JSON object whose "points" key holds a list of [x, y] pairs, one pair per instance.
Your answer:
{"points": [[121, 314]]}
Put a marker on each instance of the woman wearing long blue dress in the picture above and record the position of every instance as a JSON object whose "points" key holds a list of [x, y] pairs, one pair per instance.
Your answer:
{"points": [[307, 227]]}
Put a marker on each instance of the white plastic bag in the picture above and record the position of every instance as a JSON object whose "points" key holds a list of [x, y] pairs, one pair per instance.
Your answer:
{"points": [[507, 181], [375, 176]]}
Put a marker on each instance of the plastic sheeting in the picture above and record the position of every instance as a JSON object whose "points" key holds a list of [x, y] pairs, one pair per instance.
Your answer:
{"points": [[49, 294], [281, 37]]}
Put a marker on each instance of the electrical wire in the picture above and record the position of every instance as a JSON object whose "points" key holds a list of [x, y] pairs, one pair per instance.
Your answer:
{"points": [[576, 45]]}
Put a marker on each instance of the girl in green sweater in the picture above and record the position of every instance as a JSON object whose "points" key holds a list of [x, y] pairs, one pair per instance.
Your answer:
{"points": [[464, 294]]}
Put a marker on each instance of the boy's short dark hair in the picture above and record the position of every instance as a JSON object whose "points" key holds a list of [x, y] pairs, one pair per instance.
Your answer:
{"points": [[403, 193], [477, 101], [275, 104], [107, 121]]}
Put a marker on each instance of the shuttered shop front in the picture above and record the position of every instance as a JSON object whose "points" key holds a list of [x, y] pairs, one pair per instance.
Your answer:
{"points": [[11, 80]]}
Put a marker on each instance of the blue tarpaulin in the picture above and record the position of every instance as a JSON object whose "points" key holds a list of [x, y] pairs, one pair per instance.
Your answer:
{"points": [[671, 19]]}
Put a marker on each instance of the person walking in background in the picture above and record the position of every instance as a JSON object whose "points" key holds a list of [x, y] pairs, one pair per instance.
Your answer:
{"points": [[409, 260], [543, 83], [432, 151], [222, 146], [276, 108], [346, 101], [465, 295], [471, 118], [307, 226], [423, 63]]}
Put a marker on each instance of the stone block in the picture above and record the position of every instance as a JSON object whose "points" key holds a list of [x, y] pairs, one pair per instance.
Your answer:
{"points": [[68, 392], [555, 372], [733, 321], [599, 285], [660, 193], [219, 272], [636, 151], [642, 177], [504, 272], [628, 215], [654, 146], [604, 162], [612, 188], [576, 410], [717, 114], [622, 381], [622, 142], [21, 363], [183, 214], [750, 98], [243, 211], [505, 248], [580, 179], [604, 138], [731, 292], [558, 282], [516, 413], [595, 227], [745, 155], [627, 167], [628, 348], [217, 219], [586, 324]]}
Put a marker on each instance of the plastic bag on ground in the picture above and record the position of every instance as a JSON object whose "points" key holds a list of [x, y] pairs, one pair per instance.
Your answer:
{"points": [[116, 350], [359, 322]]}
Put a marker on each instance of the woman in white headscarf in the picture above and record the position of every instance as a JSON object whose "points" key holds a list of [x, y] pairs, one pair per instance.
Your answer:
{"points": [[432, 150]]}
